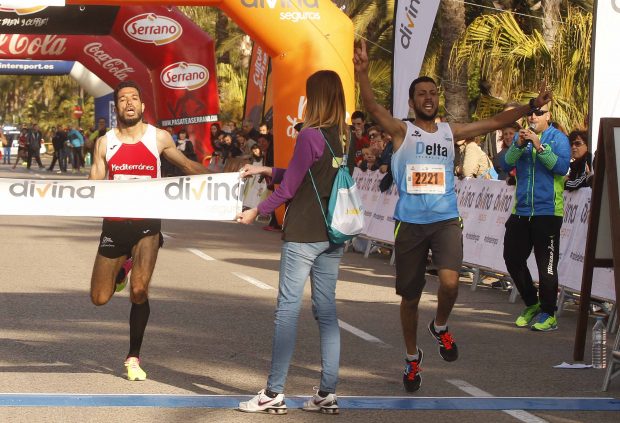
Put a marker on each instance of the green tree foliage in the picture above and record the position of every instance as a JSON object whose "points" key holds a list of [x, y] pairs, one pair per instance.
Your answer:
{"points": [[46, 100]]}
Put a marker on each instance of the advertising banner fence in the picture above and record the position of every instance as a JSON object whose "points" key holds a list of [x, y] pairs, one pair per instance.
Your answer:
{"points": [[198, 197], [485, 205]]}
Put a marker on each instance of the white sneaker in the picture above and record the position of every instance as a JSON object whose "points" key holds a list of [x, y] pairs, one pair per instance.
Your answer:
{"points": [[327, 405], [261, 403]]}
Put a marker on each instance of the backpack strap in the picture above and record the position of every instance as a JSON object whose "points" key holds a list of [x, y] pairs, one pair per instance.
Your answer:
{"points": [[318, 197]]}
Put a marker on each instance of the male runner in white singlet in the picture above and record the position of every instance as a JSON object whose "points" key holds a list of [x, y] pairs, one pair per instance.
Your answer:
{"points": [[131, 151], [426, 213]]}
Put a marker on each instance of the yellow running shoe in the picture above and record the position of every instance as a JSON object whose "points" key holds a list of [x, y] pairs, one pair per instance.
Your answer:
{"points": [[134, 371]]}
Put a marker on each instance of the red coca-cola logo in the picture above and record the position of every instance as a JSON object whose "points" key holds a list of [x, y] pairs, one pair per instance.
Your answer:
{"points": [[151, 28], [23, 10], [117, 67], [184, 76], [48, 45]]}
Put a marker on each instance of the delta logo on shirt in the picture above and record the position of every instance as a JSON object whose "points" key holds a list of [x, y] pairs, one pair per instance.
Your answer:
{"points": [[433, 149]]}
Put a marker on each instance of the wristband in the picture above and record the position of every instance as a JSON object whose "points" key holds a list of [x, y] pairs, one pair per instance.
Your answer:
{"points": [[540, 149]]}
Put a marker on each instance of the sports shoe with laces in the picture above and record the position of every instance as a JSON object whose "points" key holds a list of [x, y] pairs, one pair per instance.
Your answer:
{"points": [[123, 275], [262, 403], [527, 315], [134, 371], [545, 323], [327, 404], [412, 379], [447, 347]]}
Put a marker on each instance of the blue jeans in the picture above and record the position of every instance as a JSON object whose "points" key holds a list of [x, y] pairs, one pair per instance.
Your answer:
{"points": [[6, 155], [320, 260]]}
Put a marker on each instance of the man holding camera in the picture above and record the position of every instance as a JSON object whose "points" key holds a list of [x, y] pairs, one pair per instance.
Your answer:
{"points": [[541, 155]]}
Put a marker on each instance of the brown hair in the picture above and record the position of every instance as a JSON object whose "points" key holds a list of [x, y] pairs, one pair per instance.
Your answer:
{"points": [[326, 104]]}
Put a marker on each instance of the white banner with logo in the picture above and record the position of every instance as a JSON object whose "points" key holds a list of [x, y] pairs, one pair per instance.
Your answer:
{"points": [[198, 197], [485, 205], [413, 22]]}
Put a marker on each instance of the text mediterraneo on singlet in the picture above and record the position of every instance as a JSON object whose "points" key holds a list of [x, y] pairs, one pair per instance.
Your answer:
{"points": [[181, 189], [433, 149]]}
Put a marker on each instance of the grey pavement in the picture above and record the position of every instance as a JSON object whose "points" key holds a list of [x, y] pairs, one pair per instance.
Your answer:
{"points": [[210, 331]]}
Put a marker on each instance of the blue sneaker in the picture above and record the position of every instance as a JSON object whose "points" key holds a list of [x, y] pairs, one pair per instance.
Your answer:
{"points": [[545, 323]]}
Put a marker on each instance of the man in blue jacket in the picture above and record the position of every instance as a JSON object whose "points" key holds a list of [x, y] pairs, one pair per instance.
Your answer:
{"points": [[541, 155]]}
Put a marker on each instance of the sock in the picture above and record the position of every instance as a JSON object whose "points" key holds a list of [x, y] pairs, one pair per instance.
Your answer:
{"points": [[413, 357], [138, 318], [439, 328], [270, 394], [323, 394]]}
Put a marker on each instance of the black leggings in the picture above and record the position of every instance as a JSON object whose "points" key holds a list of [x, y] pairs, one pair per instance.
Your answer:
{"points": [[543, 234]]}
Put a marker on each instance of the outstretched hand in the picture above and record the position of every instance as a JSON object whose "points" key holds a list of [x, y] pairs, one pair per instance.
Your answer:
{"points": [[544, 95], [360, 58]]}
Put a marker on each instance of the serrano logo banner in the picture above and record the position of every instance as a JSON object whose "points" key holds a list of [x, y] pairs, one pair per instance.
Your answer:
{"points": [[198, 197], [184, 76], [151, 28]]}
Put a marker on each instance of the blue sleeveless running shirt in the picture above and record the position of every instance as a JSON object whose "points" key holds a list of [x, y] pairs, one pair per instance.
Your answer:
{"points": [[423, 170]]}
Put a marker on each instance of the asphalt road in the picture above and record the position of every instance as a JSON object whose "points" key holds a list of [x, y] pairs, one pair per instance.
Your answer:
{"points": [[212, 301]]}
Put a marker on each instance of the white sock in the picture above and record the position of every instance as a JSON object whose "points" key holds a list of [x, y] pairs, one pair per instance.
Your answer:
{"points": [[412, 357], [439, 328]]}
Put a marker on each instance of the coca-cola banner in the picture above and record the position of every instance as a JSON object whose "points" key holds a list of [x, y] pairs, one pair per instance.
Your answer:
{"points": [[93, 20], [102, 55]]}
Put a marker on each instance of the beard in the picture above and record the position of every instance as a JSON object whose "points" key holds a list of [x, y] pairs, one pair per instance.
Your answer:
{"points": [[128, 122], [423, 115]]}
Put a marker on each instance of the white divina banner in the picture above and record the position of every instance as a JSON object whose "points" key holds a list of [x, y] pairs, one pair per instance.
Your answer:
{"points": [[485, 206], [413, 22], [197, 197]]}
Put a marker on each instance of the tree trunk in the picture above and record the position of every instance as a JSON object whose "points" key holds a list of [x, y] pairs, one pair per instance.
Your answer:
{"points": [[551, 17], [221, 32], [453, 81]]}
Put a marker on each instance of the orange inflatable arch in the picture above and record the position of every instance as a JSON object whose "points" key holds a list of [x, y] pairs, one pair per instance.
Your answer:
{"points": [[301, 37]]}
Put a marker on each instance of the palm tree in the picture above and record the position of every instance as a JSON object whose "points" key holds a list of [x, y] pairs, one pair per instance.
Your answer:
{"points": [[515, 62]]}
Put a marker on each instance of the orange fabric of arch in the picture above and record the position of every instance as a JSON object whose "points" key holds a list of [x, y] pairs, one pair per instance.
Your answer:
{"points": [[301, 36]]}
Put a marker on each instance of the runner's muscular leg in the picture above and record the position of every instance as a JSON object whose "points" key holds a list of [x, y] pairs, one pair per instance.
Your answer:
{"points": [[409, 322], [446, 295], [144, 255], [102, 282]]}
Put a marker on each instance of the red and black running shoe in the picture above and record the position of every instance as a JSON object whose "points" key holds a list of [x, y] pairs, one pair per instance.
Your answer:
{"points": [[412, 379], [447, 347]]}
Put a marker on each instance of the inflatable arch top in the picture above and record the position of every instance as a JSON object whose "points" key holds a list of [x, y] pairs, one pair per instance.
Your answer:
{"points": [[301, 37]]}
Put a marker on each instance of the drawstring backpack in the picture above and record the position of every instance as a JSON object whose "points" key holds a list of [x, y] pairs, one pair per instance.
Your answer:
{"points": [[345, 217]]}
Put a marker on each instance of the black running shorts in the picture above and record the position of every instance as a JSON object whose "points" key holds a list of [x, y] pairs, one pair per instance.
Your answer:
{"points": [[412, 243], [118, 237]]}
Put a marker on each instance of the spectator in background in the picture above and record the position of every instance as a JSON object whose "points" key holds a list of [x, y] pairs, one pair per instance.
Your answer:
{"points": [[77, 142], [508, 134], [170, 130], [541, 155], [266, 145], [248, 130], [22, 147], [215, 132], [475, 161], [580, 173], [370, 160], [185, 146], [6, 148], [58, 142], [34, 138], [493, 141], [376, 140], [99, 132], [263, 129]]}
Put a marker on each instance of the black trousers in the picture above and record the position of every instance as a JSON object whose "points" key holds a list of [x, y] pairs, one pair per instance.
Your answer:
{"points": [[543, 234], [36, 155]]}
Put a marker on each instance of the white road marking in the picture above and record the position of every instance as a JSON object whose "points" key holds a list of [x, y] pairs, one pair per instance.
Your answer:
{"points": [[213, 389], [521, 415], [200, 254], [252, 280], [360, 333]]}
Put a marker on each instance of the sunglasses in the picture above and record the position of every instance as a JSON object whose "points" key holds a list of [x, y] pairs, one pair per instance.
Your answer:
{"points": [[577, 143], [537, 112]]}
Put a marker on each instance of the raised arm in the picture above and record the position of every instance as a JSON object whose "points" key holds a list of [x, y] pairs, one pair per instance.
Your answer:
{"points": [[98, 168], [500, 120], [395, 127], [166, 147]]}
